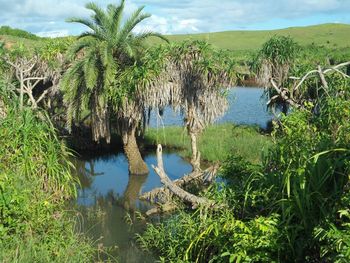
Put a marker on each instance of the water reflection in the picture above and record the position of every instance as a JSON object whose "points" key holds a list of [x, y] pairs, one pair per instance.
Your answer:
{"points": [[109, 194], [133, 190]]}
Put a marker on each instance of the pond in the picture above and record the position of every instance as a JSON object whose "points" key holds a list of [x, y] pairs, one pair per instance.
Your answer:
{"points": [[109, 195], [247, 106]]}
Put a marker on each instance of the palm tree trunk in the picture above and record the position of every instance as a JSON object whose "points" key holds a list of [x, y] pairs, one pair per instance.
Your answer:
{"points": [[136, 164]]}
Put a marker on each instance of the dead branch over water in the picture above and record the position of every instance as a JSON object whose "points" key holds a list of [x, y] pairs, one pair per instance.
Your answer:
{"points": [[172, 188]]}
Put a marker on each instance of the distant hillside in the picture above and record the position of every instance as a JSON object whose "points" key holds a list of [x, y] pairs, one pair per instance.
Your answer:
{"points": [[6, 30], [329, 35]]}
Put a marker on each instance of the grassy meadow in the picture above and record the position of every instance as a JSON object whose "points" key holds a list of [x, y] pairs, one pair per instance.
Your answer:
{"points": [[329, 35], [242, 41]]}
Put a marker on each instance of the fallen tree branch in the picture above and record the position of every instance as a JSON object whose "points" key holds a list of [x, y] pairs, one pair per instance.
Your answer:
{"points": [[324, 72], [194, 200], [163, 195], [282, 93]]}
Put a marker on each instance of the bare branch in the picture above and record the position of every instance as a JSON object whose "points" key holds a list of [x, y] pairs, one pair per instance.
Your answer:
{"points": [[284, 96], [182, 194]]}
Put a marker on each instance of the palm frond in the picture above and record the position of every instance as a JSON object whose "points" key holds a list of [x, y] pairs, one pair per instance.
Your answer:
{"points": [[115, 14], [144, 35], [99, 17], [83, 21], [131, 22]]}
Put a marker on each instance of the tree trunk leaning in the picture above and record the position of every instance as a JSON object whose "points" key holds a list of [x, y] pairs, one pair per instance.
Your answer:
{"points": [[163, 195], [137, 166]]}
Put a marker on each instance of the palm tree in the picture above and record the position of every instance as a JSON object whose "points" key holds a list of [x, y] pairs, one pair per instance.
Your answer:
{"points": [[100, 56]]}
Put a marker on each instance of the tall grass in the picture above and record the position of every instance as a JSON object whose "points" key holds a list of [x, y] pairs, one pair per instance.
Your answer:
{"points": [[34, 184], [216, 143]]}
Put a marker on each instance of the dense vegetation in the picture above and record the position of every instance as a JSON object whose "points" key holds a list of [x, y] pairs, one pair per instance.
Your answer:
{"points": [[294, 207], [35, 184], [286, 202]]}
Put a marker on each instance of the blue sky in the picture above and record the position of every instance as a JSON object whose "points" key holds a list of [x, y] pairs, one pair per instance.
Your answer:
{"points": [[47, 17]]}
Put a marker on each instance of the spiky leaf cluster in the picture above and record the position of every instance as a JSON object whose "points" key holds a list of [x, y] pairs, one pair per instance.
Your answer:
{"points": [[275, 59], [99, 57]]}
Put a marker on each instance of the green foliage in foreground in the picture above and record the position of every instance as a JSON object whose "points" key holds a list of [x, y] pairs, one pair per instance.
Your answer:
{"points": [[292, 208], [34, 184], [216, 143]]}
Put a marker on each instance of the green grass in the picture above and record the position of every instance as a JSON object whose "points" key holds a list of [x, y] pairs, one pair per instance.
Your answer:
{"points": [[329, 35], [216, 143]]}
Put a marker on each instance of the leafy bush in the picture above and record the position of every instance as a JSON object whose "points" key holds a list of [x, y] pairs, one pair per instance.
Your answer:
{"points": [[213, 236]]}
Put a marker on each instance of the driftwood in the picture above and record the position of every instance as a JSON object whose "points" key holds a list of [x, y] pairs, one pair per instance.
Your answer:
{"points": [[194, 200], [162, 208], [163, 194]]}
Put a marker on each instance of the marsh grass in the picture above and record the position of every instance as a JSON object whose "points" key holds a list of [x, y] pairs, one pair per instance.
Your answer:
{"points": [[216, 143]]}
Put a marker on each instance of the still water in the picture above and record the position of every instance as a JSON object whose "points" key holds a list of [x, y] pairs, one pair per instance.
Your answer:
{"points": [[246, 106], [109, 195]]}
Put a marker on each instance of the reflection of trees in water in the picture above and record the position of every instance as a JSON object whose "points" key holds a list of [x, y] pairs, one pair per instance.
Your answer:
{"points": [[84, 172], [133, 190], [108, 222], [105, 220]]}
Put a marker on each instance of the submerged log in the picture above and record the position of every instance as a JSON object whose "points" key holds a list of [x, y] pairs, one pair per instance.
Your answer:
{"points": [[194, 200]]}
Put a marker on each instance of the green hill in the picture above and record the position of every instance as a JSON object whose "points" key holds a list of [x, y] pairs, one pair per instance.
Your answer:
{"points": [[329, 35]]}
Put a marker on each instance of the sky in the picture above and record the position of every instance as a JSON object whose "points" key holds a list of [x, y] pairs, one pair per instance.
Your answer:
{"points": [[47, 17]]}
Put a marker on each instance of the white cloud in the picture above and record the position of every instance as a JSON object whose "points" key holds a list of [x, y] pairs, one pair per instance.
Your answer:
{"points": [[54, 33], [170, 25], [181, 16]]}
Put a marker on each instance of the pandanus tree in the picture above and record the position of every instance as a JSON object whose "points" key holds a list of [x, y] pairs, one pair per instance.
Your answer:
{"points": [[272, 65], [100, 56], [191, 77]]}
